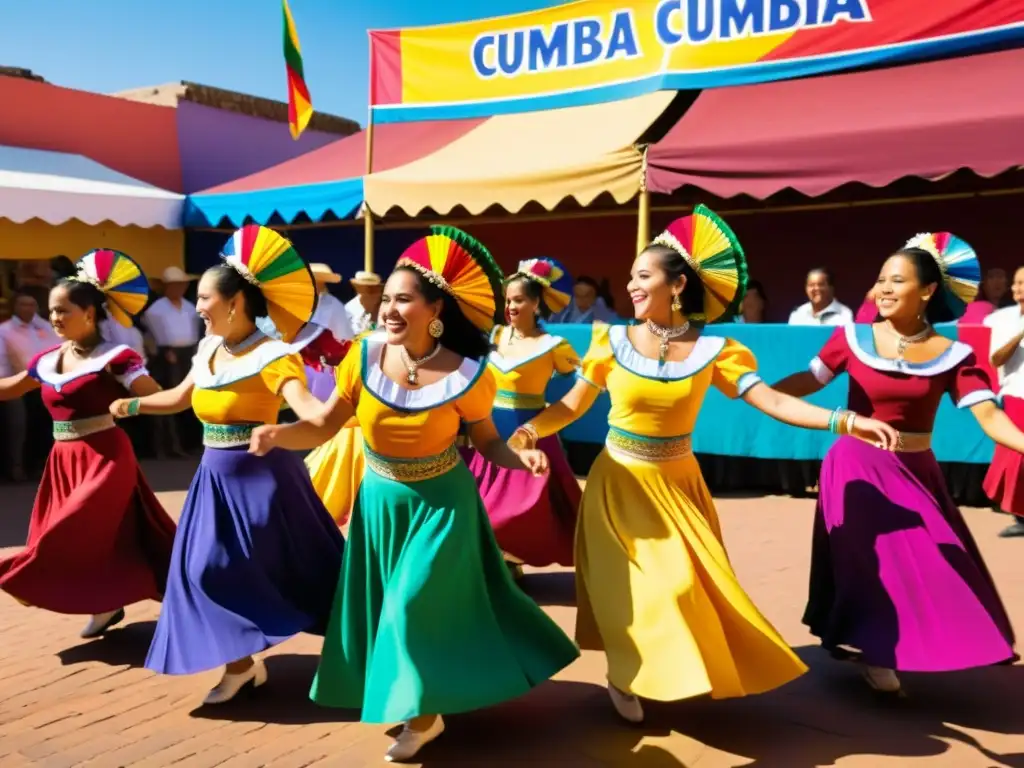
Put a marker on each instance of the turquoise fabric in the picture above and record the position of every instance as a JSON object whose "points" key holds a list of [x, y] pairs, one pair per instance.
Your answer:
{"points": [[732, 428]]}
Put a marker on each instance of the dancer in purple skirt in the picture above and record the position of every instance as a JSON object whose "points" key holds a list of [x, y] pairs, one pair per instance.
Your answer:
{"points": [[895, 573], [534, 517]]}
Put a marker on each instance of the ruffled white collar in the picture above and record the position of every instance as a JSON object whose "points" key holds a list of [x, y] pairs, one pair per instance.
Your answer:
{"points": [[45, 369], [249, 364], [451, 387], [704, 352], [861, 340], [506, 365]]}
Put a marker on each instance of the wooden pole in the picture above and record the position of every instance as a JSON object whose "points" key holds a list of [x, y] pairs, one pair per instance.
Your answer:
{"points": [[643, 226], [367, 213]]}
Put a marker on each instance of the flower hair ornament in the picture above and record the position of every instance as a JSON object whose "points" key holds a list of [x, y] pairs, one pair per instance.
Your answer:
{"points": [[958, 263], [270, 262], [120, 280], [462, 267], [556, 284], [712, 250]]}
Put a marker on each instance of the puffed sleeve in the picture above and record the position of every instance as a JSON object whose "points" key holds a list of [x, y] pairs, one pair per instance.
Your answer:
{"points": [[735, 370], [833, 358], [476, 404], [565, 358], [348, 376], [278, 373], [970, 384], [597, 363], [127, 367]]}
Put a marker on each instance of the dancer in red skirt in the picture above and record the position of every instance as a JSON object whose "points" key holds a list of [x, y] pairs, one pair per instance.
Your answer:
{"points": [[98, 539], [1004, 483]]}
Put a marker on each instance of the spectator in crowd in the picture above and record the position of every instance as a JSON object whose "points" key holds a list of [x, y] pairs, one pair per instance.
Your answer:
{"points": [[754, 308], [62, 267], [174, 328], [28, 430], [822, 307], [591, 303], [363, 309], [993, 294], [330, 312]]}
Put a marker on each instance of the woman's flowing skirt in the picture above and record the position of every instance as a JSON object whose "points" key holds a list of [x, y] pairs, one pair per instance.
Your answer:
{"points": [[534, 518], [656, 592], [1004, 482], [98, 539], [895, 572], [255, 562], [336, 469], [427, 619]]}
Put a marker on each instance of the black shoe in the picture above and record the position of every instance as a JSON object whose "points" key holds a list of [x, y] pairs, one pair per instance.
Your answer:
{"points": [[1017, 529]]}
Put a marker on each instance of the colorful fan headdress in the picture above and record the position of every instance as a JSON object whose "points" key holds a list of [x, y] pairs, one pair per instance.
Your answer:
{"points": [[462, 267], [711, 249], [121, 280], [271, 263], [555, 281], [958, 263]]}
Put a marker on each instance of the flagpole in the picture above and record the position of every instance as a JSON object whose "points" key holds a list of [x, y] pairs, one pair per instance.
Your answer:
{"points": [[643, 225]]}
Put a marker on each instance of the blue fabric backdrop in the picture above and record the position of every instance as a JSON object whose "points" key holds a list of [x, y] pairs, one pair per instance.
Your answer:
{"points": [[732, 428]]}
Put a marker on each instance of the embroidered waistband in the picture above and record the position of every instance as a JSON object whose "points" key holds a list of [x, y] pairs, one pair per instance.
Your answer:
{"points": [[514, 401], [80, 428], [646, 448], [227, 435], [411, 470]]}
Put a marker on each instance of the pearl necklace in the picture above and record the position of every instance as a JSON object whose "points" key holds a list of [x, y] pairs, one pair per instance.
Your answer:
{"points": [[902, 342], [412, 364], [665, 334]]}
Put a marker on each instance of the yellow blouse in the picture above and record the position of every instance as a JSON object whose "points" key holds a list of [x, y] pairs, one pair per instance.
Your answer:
{"points": [[247, 390], [411, 423], [655, 399], [530, 375]]}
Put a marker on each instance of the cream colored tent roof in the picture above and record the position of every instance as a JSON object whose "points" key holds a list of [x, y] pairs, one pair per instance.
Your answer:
{"points": [[511, 160]]}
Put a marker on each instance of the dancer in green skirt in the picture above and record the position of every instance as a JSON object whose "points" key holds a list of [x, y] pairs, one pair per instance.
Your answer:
{"points": [[427, 620]]}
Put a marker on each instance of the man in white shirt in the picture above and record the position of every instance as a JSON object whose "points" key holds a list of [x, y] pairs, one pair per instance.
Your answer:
{"points": [[174, 328], [822, 309], [363, 309], [1007, 356], [29, 427], [330, 312]]}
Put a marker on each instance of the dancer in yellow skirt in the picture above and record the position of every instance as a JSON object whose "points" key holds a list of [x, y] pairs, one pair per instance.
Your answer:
{"points": [[655, 588]]}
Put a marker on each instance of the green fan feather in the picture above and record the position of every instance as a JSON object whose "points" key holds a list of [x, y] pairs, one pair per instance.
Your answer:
{"points": [[742, 274], [483, 257]]}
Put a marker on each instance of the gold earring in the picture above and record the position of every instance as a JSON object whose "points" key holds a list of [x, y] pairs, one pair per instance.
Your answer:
{"points": [[231, 315], [676, 306], [436, 328]]}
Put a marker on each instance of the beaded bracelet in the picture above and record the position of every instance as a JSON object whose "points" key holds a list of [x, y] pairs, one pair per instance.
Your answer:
{"points": [[133, 407]]}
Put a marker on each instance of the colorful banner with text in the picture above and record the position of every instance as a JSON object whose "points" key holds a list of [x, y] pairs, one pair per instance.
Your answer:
{"points": [[594, 51]]}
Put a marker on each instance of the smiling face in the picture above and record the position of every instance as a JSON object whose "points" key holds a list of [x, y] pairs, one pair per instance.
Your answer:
{"points": [[25, 308], [70, 321], [899, 294], [650, 290], [520, 309], [404, 312], [213, 307], [818, 289]]}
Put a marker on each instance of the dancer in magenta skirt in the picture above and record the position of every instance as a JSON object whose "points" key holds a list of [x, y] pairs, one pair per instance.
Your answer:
{"points": [[534, 517], [895, 573]]}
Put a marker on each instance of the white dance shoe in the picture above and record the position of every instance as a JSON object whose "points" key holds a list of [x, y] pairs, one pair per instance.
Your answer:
{"points": [[100, 623], [882, 679], [626, 704], [230, 685], [410, 742]]}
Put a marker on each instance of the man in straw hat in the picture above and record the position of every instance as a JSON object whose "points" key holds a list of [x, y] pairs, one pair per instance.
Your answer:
{"points": [[174, 331], [363, 309], [330, 312]]}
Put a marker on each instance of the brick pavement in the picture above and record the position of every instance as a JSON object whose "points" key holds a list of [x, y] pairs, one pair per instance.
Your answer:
{"points": [[65, 702]]}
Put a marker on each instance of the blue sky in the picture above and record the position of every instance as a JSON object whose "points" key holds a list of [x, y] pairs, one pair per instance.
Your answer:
{"points": [[114, 45]]}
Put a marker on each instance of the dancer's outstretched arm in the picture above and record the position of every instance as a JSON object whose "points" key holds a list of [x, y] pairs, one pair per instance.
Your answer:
{"points": [[997, 425], [302, 402], [161, 403], [555, 417], [795, 412], [13, 387], [306, 434], [486, 440], [800, 384]]}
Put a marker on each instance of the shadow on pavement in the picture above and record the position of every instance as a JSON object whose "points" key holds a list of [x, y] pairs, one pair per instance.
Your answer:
{"points": [[122, 646]]}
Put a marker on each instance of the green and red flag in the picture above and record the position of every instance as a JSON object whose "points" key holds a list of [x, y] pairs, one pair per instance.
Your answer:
{"points": [[300, 105]]}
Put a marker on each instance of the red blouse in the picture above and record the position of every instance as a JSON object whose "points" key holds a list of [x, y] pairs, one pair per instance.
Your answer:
{"points": [[88, 390], [902, 394]]}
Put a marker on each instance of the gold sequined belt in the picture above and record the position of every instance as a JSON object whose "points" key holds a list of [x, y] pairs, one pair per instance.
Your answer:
{"points": [[81, 428], [411, 470], [517, 401], [645, 448], [913, 442], [227, 435]]}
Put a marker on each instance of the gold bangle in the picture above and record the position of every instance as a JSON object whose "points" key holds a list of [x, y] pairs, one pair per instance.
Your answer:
{"points": [[530, 432], [851, 417]]}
